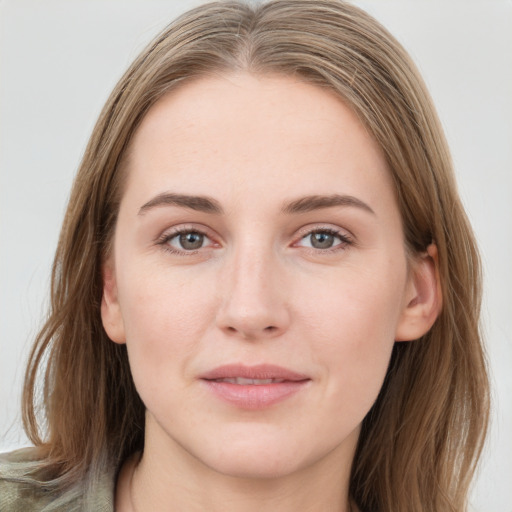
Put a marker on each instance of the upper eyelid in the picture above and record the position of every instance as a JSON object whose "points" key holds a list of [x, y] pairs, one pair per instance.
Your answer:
{"points": [[343, 239], [332, 228], [184, 228]]}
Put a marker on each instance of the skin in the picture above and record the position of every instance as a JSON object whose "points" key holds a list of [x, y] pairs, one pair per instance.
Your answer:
{"points": [[257, 291]]}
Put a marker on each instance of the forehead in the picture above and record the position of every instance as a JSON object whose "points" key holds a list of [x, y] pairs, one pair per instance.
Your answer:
{"points": [[245, 134]]}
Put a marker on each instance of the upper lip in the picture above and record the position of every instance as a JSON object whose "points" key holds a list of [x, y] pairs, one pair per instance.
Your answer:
{"points": [[261, 371]]}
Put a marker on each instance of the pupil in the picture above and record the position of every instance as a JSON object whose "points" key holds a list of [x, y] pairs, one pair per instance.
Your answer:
{"points": [[191, 240], [322, 240]]}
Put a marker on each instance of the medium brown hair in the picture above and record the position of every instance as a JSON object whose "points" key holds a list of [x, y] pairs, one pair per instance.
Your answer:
{"points": [[420, 442]]}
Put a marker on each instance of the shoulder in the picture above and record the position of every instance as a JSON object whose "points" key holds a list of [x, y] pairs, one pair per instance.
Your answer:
{"points": [[24, 488]]}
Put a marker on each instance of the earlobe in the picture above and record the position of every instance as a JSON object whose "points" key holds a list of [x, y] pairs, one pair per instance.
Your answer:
{"points": [[111, 316], [423, 299]]}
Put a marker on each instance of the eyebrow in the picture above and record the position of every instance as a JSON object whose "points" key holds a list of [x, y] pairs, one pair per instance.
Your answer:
{"points": [[198, 203], [209, 205], [317, 202]]}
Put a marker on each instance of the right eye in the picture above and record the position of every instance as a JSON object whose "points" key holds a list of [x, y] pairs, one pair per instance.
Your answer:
{"points": [[185, 241], [189, 241]]}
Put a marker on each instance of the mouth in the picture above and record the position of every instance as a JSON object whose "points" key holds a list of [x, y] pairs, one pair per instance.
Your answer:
{"points": [[254, 387], [258, 374], [249, 382]]}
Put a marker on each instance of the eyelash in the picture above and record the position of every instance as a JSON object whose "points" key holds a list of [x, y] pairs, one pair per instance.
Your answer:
{"points": [[167, 237], [345, 240]]}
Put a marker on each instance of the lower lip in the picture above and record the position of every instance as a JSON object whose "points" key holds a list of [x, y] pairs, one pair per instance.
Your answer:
{"points": [[254, 396]]}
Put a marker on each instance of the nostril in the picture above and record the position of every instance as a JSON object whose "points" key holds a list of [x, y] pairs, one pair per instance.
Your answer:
{"points": [[269, 329]]}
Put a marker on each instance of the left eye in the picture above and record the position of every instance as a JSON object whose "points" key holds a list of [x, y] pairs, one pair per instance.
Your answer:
{"points": [[322, 239], [187, 240]]}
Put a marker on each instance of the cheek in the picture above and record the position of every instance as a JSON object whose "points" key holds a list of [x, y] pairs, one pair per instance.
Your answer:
{"points": [[165, 316], [352, 321]]}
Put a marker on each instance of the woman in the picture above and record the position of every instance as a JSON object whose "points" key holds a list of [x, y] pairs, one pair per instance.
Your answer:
{"points": [[266, 291]]}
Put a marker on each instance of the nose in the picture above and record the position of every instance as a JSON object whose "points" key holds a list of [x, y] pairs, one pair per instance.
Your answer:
{"points": [[254, 302]]}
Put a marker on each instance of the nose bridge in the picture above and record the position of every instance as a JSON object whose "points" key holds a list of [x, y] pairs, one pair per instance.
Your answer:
{"points": [[253, 304]]}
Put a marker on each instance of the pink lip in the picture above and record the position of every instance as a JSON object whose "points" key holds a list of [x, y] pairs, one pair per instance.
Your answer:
{"points": [[261, 371], [254, 396]]}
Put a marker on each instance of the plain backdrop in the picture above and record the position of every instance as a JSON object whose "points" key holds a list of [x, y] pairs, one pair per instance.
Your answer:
{"points": [[59, 59]]}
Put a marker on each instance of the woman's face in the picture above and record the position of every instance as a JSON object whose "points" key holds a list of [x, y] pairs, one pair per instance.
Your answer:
{"points": [[258, 276]]}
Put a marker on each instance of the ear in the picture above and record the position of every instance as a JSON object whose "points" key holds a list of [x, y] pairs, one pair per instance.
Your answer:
{"points": [[110, 310], [423, 297]]}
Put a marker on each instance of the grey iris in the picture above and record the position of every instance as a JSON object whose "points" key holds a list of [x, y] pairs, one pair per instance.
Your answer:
{"points": [[191, 241], [322, 240]]}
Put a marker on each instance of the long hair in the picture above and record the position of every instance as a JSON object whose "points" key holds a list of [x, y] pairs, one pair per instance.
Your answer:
{"points": [[421, 440]]}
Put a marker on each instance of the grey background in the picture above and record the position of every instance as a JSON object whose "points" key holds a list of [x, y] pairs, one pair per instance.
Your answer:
{"points": [[59, 59]]}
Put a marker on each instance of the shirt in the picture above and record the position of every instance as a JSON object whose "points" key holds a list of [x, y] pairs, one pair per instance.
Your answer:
{"points": [[24, 489]]}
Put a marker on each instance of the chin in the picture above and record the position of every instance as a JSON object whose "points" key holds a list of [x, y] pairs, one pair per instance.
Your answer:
{"points": [[261, 456], [256, 467]]}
